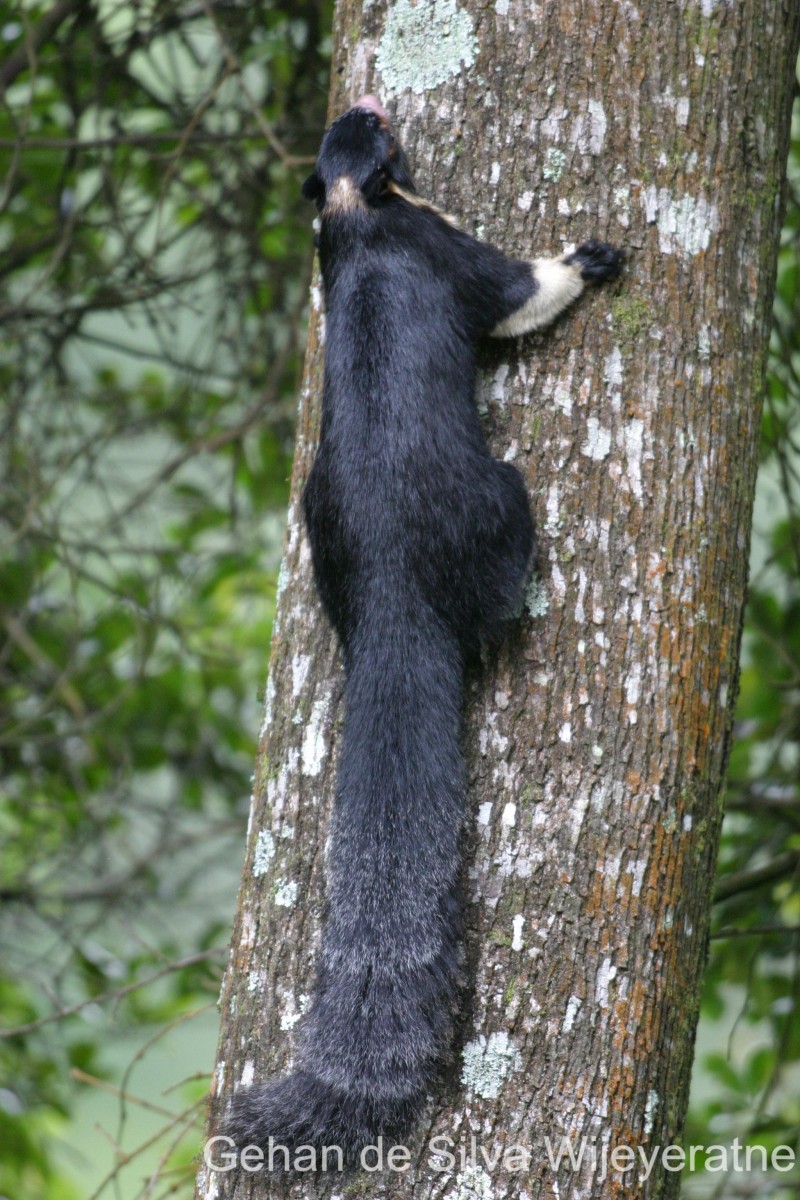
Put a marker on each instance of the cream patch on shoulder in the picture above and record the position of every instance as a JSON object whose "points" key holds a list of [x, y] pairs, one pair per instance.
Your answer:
{"points": [[343, 196]]}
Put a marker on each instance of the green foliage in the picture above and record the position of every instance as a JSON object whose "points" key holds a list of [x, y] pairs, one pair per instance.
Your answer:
{"points": [[154, 273], [750, 1087]]}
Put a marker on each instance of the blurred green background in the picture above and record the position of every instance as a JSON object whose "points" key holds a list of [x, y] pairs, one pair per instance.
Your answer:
{"points": [[154, 270]]}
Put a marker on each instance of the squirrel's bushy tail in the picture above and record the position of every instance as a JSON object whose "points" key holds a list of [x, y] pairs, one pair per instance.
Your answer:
{"points": [[383, 1003]]}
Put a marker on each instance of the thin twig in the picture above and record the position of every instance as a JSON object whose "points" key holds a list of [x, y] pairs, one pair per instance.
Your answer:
{"points": [[755, 931], [119, 994], [101, 1085], [116, 141]]}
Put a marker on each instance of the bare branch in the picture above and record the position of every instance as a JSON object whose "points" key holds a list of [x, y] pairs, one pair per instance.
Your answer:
{"points": [[747, 881], [117, 994]]}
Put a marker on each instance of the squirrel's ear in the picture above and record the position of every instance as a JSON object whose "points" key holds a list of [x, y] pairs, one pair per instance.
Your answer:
{"points": [[312, 189]]}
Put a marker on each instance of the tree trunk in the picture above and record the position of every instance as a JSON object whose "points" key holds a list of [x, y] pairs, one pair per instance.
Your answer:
{"points": [[596, 741]]}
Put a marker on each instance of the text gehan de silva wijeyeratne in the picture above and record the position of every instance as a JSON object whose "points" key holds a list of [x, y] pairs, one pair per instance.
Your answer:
{"points": [[444, 1155]]}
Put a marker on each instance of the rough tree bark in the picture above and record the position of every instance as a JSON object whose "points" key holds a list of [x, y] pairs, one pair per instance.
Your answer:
{"points": [[596, 742]]}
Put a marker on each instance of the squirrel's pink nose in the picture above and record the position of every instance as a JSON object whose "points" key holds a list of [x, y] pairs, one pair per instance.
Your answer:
{"points": [[374, 105]]}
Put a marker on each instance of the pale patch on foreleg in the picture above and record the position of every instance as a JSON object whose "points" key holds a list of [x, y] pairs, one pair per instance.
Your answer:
{"points": [[556, 283]]}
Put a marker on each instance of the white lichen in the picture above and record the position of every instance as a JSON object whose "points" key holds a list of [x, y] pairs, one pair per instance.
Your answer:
{"points": [[283, 579], [704, 343], [314, 744], [638, 872], [499, 383], [685, 224], [633, 440], [573, 1007], [612, 370], [606, 973], [269, 701], [559, 583], [622, 201], [485, 814], [562, 396], [553, 522], [248, 930], [487, 1062], [598, 440], [278, 785], [286, 893], [255, 982], [554, 162], [490, 735], [580, 612], [473, 1183], [423, 45], [597, 126], [300, 667], [536, 600], [633, 683], [650, 1111], [207, 1184], [264, 852], [292, 1013]]}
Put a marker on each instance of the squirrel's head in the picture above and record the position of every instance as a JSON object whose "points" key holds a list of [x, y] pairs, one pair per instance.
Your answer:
{"points": [[359, 159]]}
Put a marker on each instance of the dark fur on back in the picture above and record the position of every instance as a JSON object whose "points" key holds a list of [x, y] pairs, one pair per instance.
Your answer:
{"points": [[421, 544]]}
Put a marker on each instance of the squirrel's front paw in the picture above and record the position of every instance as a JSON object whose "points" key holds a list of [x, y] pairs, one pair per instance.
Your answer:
{"points": [[597, 260]]}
